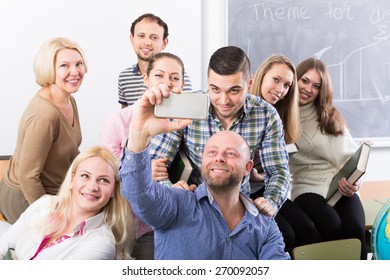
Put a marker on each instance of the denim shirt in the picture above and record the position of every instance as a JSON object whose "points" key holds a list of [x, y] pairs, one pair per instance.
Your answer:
{"points": [[190, 225]]}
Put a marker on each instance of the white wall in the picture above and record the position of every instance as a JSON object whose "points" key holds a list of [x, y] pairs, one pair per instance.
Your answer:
{"points": [[101, 27]]}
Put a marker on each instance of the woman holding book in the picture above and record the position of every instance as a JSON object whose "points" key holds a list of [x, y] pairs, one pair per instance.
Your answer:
{"points": [[325, 144]]}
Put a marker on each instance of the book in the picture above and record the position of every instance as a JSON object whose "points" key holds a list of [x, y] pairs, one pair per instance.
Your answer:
{"points": [[291, 149], [181, 168], [352, 170]]}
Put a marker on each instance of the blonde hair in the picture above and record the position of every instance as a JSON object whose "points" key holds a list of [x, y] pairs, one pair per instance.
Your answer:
{"points": [[117, 212], [288, 107], [44, 60]]}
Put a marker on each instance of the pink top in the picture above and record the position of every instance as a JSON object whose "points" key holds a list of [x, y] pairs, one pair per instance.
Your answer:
{"points": [[46, 244], [115, 130], [113, 135]]}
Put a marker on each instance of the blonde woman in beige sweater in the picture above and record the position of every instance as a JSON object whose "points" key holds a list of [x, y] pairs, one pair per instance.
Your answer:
{"points": [[49, 133]]}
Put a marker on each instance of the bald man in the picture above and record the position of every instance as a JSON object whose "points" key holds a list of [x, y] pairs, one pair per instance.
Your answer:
{"points": [[212, 222]]}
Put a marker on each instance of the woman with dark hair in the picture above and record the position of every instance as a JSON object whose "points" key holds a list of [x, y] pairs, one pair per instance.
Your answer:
{"points": [[325, 145]]}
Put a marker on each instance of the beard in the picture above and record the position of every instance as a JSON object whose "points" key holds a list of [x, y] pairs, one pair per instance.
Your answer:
{"points": [[222, 185], [144, 58]]}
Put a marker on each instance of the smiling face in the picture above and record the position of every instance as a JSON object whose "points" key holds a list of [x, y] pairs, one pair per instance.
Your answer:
{"points": [[227, 94], [276, 83], [148, 39], [92, 186], [226, 160], [69, 70], [165, 71], [309, 86]]}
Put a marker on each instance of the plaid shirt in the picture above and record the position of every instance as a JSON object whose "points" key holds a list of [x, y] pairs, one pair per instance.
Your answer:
{"points": [[259, 124]]}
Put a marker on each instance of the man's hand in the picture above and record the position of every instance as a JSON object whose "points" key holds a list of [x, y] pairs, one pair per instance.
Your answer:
{"points": [[159, 169], [256, 176], [144, 124], [183, 185], [264, 206]]}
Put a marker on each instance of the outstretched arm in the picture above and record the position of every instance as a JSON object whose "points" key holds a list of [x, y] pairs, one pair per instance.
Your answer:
{"points": [[145, 125]]}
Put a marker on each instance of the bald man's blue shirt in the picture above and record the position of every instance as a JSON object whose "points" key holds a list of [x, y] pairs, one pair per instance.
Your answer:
{"points": [[189, 225]]}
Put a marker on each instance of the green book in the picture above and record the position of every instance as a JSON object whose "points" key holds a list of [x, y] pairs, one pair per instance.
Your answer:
{"points": [[181, 168], [352, 170]]}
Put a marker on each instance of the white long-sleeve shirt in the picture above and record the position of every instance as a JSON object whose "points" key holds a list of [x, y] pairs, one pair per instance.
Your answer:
{"points": [[93, 241]]}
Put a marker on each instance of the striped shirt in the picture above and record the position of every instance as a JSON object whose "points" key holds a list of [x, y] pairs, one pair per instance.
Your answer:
{"points": [[131, 85], [258, 123]]}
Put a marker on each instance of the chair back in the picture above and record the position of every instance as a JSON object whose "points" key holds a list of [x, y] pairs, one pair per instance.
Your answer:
{"points": [[343, 249]]}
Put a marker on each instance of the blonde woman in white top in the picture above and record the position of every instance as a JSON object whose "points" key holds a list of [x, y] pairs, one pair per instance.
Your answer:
{"points": [[89, 218]]}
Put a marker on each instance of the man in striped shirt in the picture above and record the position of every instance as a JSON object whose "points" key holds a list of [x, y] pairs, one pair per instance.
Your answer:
{"points": [[232, 108], [148, 36]]}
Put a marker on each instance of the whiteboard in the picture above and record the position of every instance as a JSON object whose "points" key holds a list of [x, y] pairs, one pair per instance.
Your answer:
{"points": [[351, 37]]}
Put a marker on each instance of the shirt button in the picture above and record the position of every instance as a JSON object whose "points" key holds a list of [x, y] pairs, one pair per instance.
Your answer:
{"points": [[228, 239], [128, 157]]}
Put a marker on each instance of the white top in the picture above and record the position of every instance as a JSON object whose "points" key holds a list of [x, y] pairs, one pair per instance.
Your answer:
{"points": [[94, 241], [319, 157]]}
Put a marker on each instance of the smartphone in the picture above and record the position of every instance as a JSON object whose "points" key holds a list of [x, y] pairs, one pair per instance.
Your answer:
{"points": [[187, 105]]}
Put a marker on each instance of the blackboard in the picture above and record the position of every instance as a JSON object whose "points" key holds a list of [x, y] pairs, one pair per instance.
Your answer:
{"points": [[351, 37]]}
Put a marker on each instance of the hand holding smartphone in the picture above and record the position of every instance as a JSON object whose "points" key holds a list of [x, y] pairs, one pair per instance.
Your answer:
{"points": [[187, 105]]}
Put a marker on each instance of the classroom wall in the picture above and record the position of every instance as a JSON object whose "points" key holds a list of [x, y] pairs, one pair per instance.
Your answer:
{"points": [[101, 27]]}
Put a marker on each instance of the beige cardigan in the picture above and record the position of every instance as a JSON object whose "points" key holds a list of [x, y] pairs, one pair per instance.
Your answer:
{"points": [[319, 157]]}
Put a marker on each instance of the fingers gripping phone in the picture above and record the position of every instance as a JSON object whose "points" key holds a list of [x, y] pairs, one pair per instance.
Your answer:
{"points": [[187, 105]]}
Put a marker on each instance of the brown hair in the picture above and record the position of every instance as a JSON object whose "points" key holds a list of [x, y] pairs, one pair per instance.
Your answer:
{"points": [[329, 119]]}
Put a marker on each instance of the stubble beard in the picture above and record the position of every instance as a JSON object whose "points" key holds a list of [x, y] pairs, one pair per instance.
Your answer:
{"points": [[220, 185], [140, 57]]}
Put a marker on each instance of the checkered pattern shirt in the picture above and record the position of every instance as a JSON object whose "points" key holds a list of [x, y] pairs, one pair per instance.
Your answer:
{"points": [[258, 123], [131, 85]]}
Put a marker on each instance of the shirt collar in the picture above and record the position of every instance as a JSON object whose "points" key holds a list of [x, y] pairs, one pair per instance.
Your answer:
{"points": [[136, 69], [89, 224], [202, 191]]}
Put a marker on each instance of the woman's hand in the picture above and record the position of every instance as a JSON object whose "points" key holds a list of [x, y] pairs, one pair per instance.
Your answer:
{"points": [[348, 189]]}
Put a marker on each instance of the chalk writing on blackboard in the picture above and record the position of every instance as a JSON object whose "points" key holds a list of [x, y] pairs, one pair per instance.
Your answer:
{"points": [[351, 37]]}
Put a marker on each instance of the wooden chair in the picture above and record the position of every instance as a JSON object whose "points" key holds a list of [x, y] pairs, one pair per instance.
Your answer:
{"points": [[343, 249], [4, 162]]}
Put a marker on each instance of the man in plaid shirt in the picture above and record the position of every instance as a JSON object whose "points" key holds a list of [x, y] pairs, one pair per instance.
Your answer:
{"points": [[233, 108]]}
